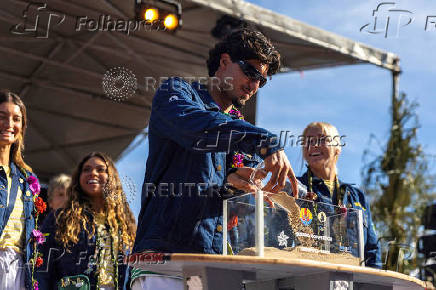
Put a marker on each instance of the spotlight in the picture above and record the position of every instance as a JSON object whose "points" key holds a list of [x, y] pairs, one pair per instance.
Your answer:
{"points": [[151, 14], [171, 21], [166, 14]]}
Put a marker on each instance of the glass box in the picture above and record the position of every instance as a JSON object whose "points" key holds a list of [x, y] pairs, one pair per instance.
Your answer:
{"points": [[292, 228]]}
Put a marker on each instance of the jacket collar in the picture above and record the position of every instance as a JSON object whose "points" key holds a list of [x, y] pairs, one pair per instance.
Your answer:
{"points": [[14, 169], [317, 181]]}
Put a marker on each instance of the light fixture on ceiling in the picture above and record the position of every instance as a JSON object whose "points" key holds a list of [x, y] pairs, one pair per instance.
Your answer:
{"points": [[164, 13]]}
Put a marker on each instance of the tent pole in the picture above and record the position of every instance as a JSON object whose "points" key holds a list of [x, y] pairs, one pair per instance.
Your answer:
{"points": [[395, 85]]}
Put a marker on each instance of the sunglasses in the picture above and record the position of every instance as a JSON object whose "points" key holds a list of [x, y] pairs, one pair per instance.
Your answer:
{"points": [[251, 72]]}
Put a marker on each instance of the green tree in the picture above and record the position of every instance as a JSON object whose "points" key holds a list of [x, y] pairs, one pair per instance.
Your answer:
{"points": [[397, 178]]}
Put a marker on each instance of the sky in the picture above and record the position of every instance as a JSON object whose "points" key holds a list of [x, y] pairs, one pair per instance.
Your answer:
{"points": [[356, 99]]}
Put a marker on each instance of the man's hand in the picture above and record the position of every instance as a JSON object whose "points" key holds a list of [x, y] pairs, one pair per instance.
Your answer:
{"points": [[278, 164], [241, 179]]}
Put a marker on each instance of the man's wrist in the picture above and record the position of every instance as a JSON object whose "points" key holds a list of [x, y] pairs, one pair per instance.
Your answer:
{"points": [[231, 170], [228, 191]]}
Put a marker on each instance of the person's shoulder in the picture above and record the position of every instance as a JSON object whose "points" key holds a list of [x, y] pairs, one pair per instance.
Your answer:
{"points": [[357, 191], [172, 90], [350, 186], [355, 188], [174, 84], [22, 172]]}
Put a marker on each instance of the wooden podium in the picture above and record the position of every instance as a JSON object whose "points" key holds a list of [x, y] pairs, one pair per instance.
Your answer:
{"points": [[219, 272]]}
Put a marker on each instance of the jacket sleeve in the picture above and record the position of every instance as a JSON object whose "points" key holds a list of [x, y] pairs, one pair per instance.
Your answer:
{"points": [[372, 247], [46, 274], [177, 116]]}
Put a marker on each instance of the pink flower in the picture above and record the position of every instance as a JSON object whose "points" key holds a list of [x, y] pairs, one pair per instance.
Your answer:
{"points": [[236, 113], [35, 285], [34, 184], [39, 237], [238, 160], [32, 179]]}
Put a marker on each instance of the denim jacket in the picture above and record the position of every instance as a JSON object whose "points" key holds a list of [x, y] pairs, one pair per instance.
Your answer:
{"points": [[353, 198], [189, 141], [18, 181], [60, 262]]}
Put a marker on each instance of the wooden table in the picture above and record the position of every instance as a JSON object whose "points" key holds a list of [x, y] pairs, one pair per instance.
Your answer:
{"points": [[215, 272]]}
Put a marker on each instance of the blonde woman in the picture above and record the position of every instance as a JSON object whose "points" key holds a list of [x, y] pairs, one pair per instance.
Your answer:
{"points": [[57, 191], [321, 150], [88, 239]]}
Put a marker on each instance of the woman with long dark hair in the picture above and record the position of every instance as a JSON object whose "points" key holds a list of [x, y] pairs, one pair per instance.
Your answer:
{"points": [[19, 201], [88, 239]]}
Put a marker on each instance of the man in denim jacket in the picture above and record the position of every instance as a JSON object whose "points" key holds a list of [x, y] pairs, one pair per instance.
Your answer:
{"points": [[190, 136]]}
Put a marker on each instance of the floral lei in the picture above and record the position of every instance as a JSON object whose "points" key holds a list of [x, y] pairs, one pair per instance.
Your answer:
{"points": [[98, 258], [38, 238], [238, 158], [96, 261]]}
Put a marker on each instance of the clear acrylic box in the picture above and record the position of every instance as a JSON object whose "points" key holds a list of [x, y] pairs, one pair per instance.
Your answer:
{"points": [[293, 229]]}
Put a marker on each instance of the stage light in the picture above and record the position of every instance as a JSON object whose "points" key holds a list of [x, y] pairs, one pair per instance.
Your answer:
{"points": [[171, 21], [162, 14], [151, 14]]}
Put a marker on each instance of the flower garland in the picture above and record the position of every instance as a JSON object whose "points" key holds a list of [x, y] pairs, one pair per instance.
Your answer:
{"points": [[100, 257], [235, 113], [238, 158], [97, 259], [38, 238]]}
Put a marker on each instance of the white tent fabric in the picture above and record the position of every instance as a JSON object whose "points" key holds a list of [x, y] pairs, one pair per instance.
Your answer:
{"points": [[60, 77]]}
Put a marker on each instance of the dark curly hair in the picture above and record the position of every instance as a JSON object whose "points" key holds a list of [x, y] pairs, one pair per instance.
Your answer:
{"points": [[245, 44]]}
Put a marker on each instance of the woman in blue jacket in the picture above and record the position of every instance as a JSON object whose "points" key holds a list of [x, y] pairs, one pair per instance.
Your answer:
{"points": [[88, 239], [18, 189], [322, 146]]}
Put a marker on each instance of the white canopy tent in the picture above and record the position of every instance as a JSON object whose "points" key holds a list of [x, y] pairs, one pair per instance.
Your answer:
{"points": [[60, 77]]}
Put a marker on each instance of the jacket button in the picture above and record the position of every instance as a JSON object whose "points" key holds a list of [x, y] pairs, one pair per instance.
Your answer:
{"points": [[219, 228], [219, 167], [263, 151]]}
